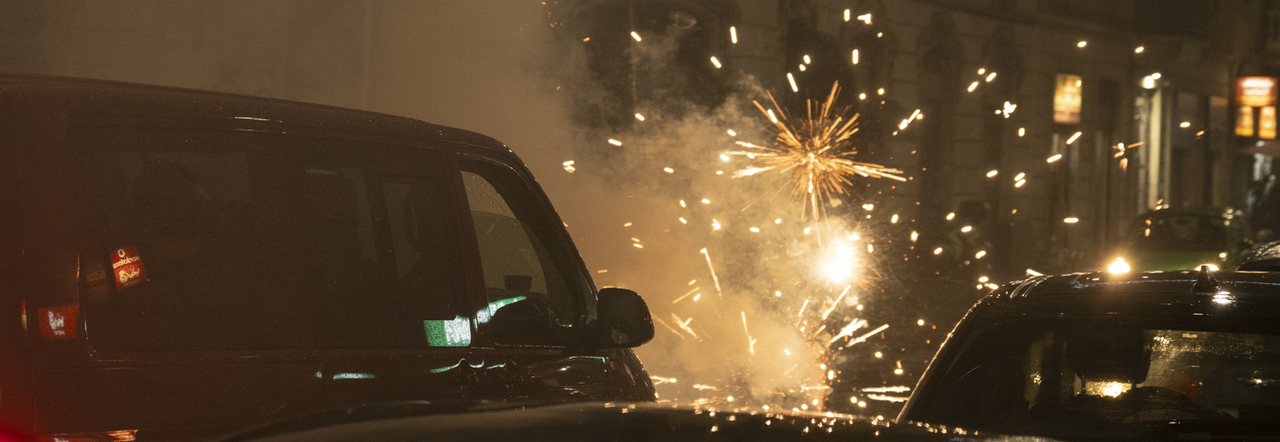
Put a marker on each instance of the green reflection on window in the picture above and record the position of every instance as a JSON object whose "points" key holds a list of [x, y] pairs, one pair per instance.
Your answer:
{"points": [[485, 314], [454, 332]]}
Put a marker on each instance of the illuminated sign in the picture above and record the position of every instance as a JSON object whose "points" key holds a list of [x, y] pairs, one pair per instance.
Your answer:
{"points": [[126, 264], [1267, 123], [1256, 91], [58, 322], [1244, 122], [1066, 99]]}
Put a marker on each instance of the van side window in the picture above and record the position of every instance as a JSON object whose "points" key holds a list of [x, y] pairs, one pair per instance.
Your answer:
{"points": [[523, 266], [237, 240]]}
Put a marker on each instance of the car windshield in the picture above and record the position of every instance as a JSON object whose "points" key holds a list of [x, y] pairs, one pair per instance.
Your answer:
{"points": [[1182, 233], [1097, 380]]}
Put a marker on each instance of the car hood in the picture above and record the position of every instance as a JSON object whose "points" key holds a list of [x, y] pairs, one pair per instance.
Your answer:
{"points": [[613, 421], [1169, 261]]}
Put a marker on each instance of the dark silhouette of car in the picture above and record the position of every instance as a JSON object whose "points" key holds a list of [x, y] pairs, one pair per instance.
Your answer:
{"points": [[1183, 239], [182, 263], [1097, 356]]}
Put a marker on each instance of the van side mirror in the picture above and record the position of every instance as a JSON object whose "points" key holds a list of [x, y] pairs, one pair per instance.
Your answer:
{"points": [[623, 319]]}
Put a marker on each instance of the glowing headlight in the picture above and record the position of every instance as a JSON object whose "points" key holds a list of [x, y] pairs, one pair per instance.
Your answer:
{"points": [[1212, 267], [1118, 267]]}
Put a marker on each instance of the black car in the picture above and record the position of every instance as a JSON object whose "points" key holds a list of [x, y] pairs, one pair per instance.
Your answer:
{"points": [[186, 263], [1098, 356]]}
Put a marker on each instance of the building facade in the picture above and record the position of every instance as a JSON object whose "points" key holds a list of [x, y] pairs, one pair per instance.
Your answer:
{"points": [[1063, 120]]}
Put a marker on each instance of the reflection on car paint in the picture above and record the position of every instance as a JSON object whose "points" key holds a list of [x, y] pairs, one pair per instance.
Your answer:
{"points": [[339, 376]]}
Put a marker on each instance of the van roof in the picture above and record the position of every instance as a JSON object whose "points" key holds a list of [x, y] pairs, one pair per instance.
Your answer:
{"points": [[89, 95], [1242, 296]]}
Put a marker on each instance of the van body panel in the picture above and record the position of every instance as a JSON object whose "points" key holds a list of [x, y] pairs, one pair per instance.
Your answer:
{"points": [[15, 377], [94, 378], [215, 394]]}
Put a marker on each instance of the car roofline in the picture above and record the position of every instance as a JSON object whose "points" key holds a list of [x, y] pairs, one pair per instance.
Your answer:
{"points": [[136, 99]]}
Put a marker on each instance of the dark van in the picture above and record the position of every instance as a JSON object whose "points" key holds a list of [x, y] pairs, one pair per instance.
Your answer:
{"points": [[181, 264]]}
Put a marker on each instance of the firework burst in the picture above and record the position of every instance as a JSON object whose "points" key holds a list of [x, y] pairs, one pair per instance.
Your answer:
{"points": [[814, 152]]}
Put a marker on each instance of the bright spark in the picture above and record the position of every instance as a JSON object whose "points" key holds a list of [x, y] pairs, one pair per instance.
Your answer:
{"points": [[713, 270], [848, 330], [716, 62], [895, 389], [635, 35], [863, 338]]}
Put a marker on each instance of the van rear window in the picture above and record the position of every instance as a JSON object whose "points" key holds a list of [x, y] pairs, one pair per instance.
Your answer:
{"points": [[262, 241]]}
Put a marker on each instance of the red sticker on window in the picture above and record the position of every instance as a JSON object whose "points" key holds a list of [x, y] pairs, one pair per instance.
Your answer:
{"points": [[58, 322], [128, 268]]}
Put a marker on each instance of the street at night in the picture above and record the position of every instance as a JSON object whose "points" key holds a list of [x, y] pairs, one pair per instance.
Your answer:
{"points": [[351, 219]]}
